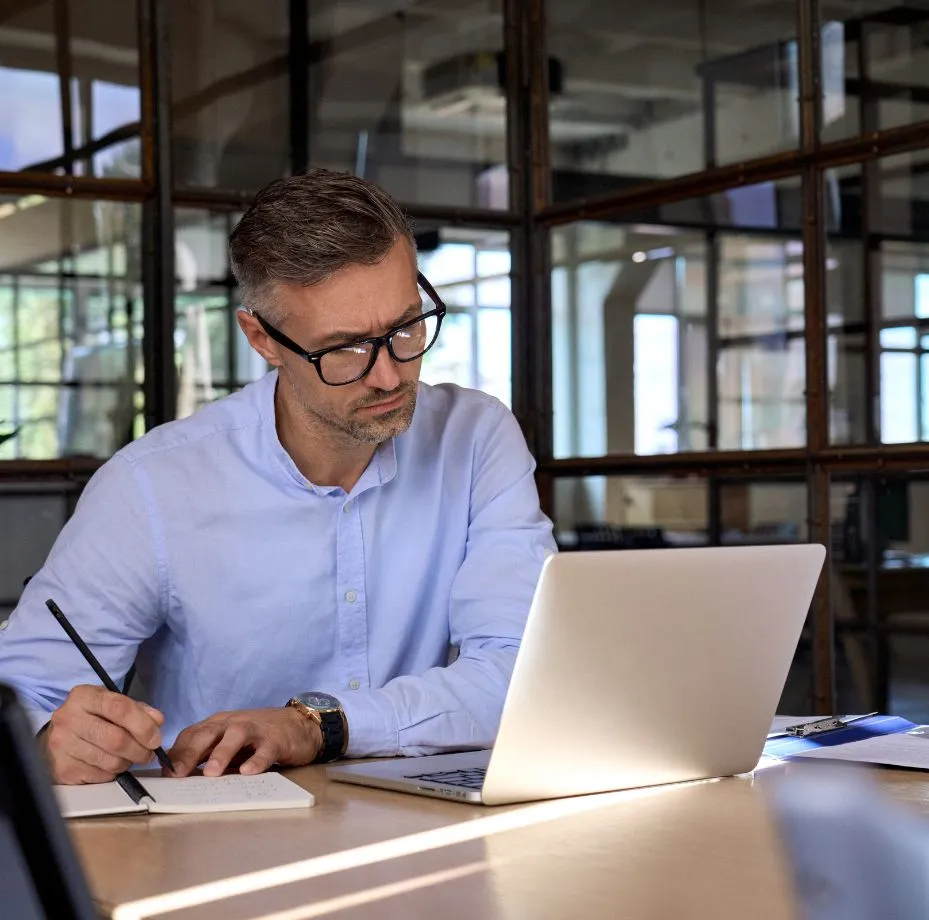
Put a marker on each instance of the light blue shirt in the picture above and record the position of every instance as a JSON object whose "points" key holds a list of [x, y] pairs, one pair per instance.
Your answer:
{"points": [[202, 549]]}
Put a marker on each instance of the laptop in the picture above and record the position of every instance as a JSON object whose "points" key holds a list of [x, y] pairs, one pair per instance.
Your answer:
{"points": [[40, 877], [636, 668]]}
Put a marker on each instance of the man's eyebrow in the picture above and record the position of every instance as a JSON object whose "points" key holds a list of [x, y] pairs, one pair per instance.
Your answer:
{"points": [[347, 336]]}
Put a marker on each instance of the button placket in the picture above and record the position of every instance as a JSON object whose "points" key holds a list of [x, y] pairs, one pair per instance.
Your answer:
{"points": [[351, 605]]}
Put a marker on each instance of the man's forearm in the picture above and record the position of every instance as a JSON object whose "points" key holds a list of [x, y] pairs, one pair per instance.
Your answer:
{"points": [[444, 709]]}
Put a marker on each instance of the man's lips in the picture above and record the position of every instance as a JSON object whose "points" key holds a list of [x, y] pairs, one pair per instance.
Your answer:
{"points": [[386, 405]]}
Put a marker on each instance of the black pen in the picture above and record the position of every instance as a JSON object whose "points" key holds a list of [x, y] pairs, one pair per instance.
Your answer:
{"points": [[163, 758]]}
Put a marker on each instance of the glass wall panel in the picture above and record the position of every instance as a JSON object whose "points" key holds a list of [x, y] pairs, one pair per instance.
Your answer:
{"points": [[411, 98], [645, 91], [470, 270], [875, 66], [70, 327], [879, 345], [655, 511], [630, 512], [650, 320], [761, 371], [880, 588], [773, 511], [213, 357], [230, 93], [84, 120]]}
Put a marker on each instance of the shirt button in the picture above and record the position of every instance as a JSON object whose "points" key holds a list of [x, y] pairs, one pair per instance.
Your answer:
{"points": [[4, 625], [354, 684], [347, 507], [351, 597]]}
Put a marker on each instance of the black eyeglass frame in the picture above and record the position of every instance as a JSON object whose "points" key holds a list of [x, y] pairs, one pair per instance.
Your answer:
{"points": [[386, 340]]}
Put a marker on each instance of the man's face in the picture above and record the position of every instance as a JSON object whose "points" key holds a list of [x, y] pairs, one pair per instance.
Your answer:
{"points": [[358, 302]]}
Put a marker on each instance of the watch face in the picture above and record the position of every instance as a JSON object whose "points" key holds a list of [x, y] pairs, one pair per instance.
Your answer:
{"points": [[319, 700]]}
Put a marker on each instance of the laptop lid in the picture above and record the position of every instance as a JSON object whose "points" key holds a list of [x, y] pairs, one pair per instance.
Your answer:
{"points": [[40, 877], [641, 667]]}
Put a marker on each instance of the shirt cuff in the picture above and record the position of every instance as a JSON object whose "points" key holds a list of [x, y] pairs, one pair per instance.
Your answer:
{"points": [[373, 728]]}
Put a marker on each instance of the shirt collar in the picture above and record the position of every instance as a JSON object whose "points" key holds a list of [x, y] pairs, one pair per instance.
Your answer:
{"points": [[381, 469]]}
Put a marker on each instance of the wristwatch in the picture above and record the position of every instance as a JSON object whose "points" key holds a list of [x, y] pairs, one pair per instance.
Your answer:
{"points": [[326, 712]]}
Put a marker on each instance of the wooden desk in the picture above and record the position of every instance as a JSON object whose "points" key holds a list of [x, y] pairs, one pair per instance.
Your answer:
{"points": [[699, 850]]}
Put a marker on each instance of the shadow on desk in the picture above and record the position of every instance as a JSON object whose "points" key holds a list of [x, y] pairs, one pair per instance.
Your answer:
{"points": [[854, 853]]}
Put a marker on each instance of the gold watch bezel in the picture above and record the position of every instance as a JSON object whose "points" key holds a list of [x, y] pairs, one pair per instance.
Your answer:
{"points": [[307, 711], [317, 716]]}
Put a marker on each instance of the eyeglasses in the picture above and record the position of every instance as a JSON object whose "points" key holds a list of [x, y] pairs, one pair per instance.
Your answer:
{"points": [[343, 364]]}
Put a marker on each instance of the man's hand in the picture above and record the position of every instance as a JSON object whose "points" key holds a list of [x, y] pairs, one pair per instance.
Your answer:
{"points": [[96, 734], [262, 736]]}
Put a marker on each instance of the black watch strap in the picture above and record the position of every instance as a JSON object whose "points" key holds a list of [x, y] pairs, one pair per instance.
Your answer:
{"points": [[332, 726]]}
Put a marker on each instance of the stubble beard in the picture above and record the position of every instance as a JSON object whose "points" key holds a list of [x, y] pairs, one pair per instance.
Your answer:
{"points": [[372, 430]]}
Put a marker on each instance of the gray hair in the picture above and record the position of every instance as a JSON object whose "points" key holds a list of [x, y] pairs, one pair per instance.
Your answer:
{"points": [[303, 229]]}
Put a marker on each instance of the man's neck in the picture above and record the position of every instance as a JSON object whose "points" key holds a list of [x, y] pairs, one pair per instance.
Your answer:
{"points": [[324, 456]]}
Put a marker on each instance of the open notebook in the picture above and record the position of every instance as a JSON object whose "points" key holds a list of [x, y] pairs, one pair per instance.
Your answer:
{"points": [[129, 794]]}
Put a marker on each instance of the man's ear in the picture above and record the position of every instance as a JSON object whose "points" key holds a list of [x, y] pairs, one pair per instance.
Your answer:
{"points": [[258, 338]]}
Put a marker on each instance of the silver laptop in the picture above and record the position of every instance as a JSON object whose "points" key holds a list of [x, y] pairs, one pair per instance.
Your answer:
{"points": [[637, 667]]}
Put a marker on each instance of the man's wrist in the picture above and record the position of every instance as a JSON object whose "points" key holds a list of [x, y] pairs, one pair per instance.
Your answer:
{"points": [[312, 737], [327, 713]]}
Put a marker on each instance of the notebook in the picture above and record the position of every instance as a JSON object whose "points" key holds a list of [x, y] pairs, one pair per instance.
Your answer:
{"points": [[130, 794]]}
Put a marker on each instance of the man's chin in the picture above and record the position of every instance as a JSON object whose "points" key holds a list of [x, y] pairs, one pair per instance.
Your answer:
{"points": [[380, 427]]}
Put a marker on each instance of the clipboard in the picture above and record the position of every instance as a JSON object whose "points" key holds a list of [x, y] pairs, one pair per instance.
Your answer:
{"points": [[820, 735]]}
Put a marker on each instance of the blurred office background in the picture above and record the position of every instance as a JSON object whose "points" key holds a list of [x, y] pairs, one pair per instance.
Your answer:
{"points": [[686, 240]]}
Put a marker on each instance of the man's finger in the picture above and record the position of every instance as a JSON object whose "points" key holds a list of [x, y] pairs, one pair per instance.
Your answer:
{"points": [[97, 757], [193, 745], [237, 736], [72, 772], [111, 737], [265, 755], [157, 716], [126, 713]]}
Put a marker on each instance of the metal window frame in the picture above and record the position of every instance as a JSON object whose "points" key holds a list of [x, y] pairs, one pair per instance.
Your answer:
{"points": [[529, 219]]}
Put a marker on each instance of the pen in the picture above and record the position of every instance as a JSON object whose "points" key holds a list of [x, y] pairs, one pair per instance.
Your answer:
{"points": [[63, 621]]}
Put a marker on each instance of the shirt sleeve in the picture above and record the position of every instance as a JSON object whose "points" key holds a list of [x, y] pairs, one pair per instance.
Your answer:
{"points": [[103, 573], [458, 707]]}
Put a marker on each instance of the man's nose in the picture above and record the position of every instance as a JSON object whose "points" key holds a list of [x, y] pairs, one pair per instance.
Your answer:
{"points": [[385, 375]]}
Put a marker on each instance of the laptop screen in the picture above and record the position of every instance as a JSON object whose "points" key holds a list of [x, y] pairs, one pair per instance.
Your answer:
{"points": [[40, 877]]}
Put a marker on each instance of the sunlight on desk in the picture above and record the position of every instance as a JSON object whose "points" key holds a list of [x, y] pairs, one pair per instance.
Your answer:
{"points": [[378, 893], [493, 823]]}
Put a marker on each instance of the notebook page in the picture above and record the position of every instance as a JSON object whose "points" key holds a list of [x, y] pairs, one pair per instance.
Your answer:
{"points": [[96, 799], [194, 794]]}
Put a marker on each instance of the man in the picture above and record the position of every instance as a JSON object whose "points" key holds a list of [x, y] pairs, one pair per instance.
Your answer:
{"points": [[289, 566]]}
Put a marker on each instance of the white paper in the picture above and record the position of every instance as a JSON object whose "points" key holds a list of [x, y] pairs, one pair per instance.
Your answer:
{"points": [[96, 799], [185, 795], [903, 749], [193, 794], [782, 723]]}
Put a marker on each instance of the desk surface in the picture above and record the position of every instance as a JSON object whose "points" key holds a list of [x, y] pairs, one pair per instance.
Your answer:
{"points": [[696, 850]]}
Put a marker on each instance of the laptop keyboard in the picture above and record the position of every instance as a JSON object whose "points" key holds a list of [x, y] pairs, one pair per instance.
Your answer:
{"points": [[472, 778]]}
